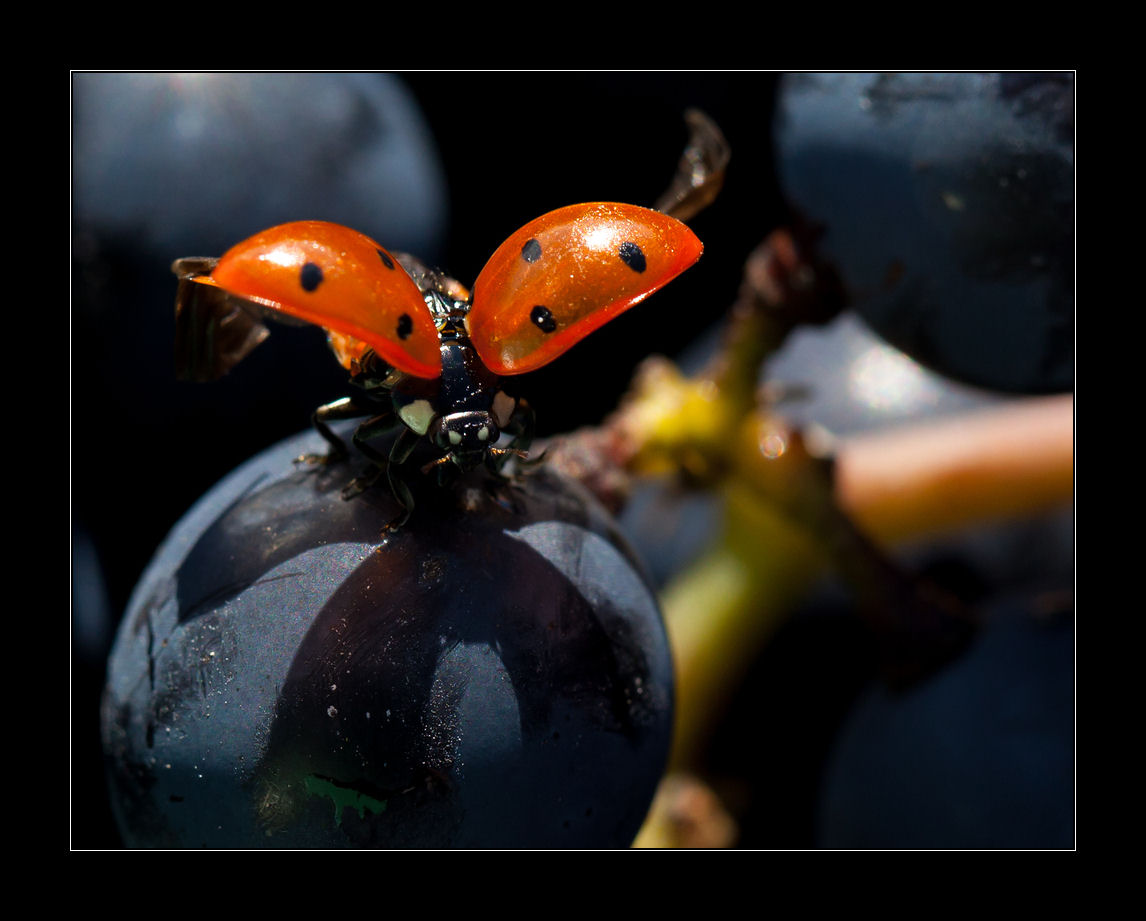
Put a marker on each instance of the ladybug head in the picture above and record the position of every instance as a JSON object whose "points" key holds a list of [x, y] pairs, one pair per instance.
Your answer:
{"points": [[465, 436]]}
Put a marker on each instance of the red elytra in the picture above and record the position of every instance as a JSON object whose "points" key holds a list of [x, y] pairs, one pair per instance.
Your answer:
{"points": [[339, 279], [582, 266], [554, 281]]}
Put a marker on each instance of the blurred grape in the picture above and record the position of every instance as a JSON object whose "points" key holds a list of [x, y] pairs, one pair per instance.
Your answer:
{"points": [[93, 621], [947, 202], [190, 163], [846, 379], [981, 756]]}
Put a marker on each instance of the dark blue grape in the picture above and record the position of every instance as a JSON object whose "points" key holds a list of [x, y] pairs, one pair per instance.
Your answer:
{"points": [[979, 756], [188, 163], [495, 674], [947, 202]]}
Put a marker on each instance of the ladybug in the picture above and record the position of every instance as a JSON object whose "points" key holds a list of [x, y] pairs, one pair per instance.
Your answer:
{"points": [[421, 349]]}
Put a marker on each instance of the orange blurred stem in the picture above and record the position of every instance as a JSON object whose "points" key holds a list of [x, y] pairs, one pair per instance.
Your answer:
{"points": [[789, 514], [997, 464]]}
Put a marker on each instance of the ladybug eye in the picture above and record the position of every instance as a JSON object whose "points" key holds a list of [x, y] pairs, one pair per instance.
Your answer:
{"points": [[567, 273], [338, 279]]}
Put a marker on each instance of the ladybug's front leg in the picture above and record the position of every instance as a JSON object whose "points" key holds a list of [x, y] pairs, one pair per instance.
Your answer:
{"points": [[346, 408], [369, 429], [520, 427], [403, 447]]}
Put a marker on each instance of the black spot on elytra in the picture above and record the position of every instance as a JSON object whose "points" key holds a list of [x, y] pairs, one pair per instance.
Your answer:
{"points": [[632, 256], [543, 319], [386, 260], [310, 277], [531, 252], [405, 326]]}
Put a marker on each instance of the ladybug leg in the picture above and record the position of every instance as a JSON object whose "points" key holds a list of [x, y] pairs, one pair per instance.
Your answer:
{"points": [[403, 447], [372, 428], [369, 429], [520, 426], [346, 408]]}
